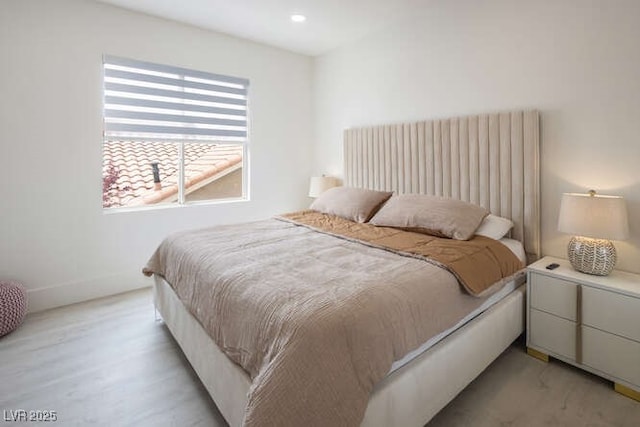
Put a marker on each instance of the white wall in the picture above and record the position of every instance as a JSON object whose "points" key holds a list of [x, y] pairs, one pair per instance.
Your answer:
{"points": [[54, 236], [577, 61]]}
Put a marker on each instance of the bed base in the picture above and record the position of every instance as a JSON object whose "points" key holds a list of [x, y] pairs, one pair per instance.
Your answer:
{"points": [[410, 396]]}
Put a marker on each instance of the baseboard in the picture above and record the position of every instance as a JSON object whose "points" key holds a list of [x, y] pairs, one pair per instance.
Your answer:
{"points": [[70, 293]]}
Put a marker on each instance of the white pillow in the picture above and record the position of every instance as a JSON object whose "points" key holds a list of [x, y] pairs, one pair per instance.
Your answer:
{"points": [[494, 227]]}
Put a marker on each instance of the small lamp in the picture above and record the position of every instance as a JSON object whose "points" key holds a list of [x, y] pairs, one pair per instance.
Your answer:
{"points": [[593, 220], [320, 184]]}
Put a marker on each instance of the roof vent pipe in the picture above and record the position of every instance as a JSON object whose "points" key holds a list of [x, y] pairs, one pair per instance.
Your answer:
{"points": [[156, 176]]}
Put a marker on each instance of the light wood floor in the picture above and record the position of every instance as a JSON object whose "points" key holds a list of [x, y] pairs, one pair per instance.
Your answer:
{"points": [[108, 362]]}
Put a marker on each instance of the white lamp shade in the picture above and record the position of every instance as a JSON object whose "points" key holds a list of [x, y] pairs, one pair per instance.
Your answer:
{"points": [[598, 217], [320, 184]]}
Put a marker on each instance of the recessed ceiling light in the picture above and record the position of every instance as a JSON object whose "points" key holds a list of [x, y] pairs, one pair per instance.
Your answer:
{"points": [[298, 18]]}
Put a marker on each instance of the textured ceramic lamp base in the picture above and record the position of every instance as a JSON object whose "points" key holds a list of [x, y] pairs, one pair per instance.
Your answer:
{"points": [[592, 256]]}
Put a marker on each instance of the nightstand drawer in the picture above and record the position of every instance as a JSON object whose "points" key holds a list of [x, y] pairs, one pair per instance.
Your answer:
{"points": [[611, 312], [553, 295], [552, 333], [611, 354]]}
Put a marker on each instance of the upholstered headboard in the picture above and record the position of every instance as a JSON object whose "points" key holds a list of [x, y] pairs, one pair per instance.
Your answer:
{"points": [[491, 160]]}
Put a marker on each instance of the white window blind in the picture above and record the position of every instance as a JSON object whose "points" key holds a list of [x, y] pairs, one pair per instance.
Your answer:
{"points": [[146, 101]]}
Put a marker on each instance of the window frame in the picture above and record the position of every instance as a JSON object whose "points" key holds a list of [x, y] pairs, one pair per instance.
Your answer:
{"points": [[182, 194]]}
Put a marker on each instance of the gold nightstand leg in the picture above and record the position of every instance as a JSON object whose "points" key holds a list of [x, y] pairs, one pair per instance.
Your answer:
{"points": [[537, 354], [626, 391]]}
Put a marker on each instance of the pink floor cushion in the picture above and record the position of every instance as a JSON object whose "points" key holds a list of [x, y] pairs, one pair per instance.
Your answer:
{"points": [[13, 306]]}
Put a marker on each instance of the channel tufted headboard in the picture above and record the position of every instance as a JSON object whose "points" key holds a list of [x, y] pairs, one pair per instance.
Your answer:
{"points": [[489, 159]]}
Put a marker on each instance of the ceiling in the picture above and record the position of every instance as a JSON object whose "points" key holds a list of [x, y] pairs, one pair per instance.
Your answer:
{"points": [[329, 24]]}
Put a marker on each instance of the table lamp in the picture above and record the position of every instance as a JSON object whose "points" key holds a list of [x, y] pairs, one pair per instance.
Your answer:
{"points": [[594, 221], [320, 184]]}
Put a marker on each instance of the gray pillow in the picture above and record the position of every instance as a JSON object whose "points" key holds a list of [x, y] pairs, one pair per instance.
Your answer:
{"points": [[355, 204], [433, 215]]}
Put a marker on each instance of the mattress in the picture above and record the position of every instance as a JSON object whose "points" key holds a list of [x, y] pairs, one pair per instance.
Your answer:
{"points": [[516, 247]]}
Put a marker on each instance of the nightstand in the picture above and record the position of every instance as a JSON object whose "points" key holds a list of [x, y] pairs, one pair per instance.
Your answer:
{"points": [[592, 322]]}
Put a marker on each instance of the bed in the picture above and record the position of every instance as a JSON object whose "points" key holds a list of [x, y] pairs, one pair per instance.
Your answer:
{"points": [[489, 160]]}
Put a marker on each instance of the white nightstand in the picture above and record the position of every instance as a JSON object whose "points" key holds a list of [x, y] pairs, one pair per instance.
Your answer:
{"points": [[592, 322]]}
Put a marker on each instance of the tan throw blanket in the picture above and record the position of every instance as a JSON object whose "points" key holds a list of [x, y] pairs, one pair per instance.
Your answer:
{"points": [[315, 320], [479, 264]]}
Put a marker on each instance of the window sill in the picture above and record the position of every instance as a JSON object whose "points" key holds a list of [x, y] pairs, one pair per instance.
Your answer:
{"points": [[111, 211]]}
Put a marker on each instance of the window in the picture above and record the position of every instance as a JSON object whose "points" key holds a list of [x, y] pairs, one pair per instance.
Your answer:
{"points": [[172, 135]]}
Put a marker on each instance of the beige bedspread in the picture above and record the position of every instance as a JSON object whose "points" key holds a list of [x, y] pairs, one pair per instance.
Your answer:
{"points": [[314, 319], [479, 264]]}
